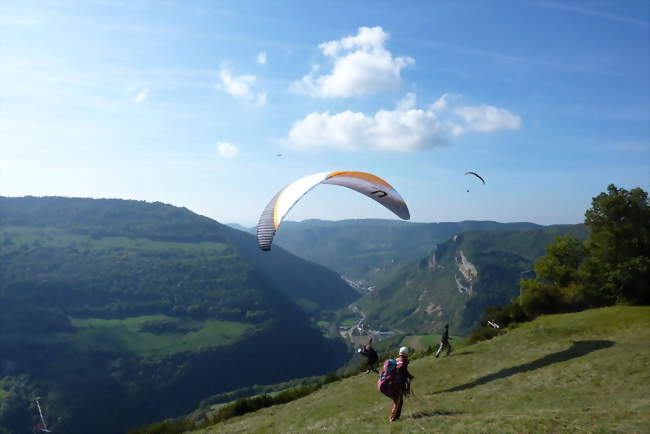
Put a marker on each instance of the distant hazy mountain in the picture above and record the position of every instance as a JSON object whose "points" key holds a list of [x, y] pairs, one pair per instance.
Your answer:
{"points": [[369, 248], [458, 279], [394, 259], [113, 307], [241, 228]]}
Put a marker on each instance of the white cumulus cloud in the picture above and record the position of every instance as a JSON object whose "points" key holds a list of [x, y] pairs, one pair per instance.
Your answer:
{"points": [[483, 119], [362, 65], [487, 118], [261, 58], [227, 150], [241, 87], [141, 96], [406, 128]]}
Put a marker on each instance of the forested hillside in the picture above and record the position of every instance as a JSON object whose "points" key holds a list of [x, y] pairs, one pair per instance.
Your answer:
{"points": [[369, 249], [419, 276], [458, 279], [143, 309]]}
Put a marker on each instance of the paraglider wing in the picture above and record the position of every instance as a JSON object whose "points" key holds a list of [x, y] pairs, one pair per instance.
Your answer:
{"points": [[42, 427], [374, 187], [477, 175], [493, 325], [366, 183]]}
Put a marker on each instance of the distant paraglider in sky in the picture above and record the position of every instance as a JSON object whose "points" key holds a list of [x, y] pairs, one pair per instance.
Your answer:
{"points": [[278, 155], [477, 175], [366, 183]]}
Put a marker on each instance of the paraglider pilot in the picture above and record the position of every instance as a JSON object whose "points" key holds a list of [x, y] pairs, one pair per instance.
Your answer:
{"points": [[403, 378], [444, 342], [371, 356]]}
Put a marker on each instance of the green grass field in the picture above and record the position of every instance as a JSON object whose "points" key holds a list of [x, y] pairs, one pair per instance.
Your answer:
{"points": [[422, 342], [583, 372], [349, 322], [125, 335]]}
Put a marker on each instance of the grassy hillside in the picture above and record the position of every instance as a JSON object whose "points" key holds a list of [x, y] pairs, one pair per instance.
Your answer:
{"points": [[582, 372], [423, 342]]}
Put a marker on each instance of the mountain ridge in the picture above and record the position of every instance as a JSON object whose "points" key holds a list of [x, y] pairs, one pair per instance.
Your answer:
{"points": [[372, 245]]}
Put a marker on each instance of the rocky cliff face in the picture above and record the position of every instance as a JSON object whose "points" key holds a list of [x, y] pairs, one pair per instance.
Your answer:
{"points": [[468, 272], [458, 279]]}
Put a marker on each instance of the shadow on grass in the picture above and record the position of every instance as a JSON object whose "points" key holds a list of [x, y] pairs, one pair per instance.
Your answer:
{"points": [[577, 349], [464, 353], [423, 414]]}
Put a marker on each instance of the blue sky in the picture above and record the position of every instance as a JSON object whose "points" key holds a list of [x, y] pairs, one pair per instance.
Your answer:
{"points": [[189, 102]]}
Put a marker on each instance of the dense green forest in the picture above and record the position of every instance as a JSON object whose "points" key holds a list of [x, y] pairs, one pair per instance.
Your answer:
{"points": [[140, 309]]}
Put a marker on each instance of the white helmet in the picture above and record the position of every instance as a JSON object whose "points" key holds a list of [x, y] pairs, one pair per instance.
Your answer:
{"points": [[359, 350], [404, 351]]}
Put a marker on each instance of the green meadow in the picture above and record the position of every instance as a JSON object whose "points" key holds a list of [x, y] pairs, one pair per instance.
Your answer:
{"points": [[126, 335], [580, 372], [422, 342]]}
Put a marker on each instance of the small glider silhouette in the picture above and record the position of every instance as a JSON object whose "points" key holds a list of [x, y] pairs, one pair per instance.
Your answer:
{"points": [[477, 175]]}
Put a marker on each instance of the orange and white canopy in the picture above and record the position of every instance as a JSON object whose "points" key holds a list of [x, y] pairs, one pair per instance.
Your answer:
{"points": [[366, 183]]}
